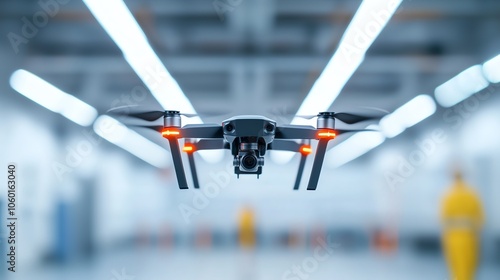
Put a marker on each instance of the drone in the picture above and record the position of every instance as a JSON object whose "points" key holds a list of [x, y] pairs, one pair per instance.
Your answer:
{"points": [[248, 138]]}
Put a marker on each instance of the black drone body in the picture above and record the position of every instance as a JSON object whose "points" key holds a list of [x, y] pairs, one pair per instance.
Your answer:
{"points": [[248, 138]]}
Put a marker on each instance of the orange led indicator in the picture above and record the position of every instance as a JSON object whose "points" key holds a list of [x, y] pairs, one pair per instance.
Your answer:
{"points": [[305, 149], [170, 132], [327, 134], [188, 148]]}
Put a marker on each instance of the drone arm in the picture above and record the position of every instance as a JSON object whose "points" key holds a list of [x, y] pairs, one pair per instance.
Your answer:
{"points": [[284, 145], [296, 132], [309, 132], [201, 131], [203, 144], [177, 159], [317, 164], [210, 144]]}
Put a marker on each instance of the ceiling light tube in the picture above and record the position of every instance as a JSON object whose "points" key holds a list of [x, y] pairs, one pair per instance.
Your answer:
{"points": [[129, 140], [52, 98], [462, 86]]}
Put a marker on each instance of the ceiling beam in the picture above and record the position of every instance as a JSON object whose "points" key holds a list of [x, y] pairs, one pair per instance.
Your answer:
{"points": [[372, 64]]}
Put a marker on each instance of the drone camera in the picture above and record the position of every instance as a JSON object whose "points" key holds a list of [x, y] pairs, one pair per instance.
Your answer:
{"points": [[248, 162]]}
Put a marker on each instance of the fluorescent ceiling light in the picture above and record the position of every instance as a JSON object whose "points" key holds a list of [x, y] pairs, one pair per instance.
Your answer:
{"points": [[131, 141], [408, 115], [491, 69], [354, 147], [326, 89], [52, 98], [120, 24], [461, 86], [369, 20]]}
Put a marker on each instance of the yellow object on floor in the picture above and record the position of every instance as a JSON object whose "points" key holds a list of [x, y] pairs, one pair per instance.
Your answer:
{"points": [[247, 228], [462, 217]]}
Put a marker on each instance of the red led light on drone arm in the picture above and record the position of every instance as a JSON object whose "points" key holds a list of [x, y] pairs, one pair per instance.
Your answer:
{"points": [[305, 149], [170, 132], [188, 148], [322, 134]]}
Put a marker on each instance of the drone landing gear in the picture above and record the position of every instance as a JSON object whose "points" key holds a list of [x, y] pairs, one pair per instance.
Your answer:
{"points": [[177, 159], [317, 164], [194, 174], [303, 158]]}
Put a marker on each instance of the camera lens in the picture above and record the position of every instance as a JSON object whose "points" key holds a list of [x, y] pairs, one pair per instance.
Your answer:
{"points": [[269, 127], [249, 162], [229, 127]]}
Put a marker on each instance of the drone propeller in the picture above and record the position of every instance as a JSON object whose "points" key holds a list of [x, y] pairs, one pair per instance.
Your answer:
{"points": [[145, 115], [342, 131], [347, 118], [158, 128], [152, 115]]}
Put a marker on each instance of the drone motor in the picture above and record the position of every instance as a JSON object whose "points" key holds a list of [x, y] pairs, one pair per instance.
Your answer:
{"points": [[172, 119], [326, 120]]}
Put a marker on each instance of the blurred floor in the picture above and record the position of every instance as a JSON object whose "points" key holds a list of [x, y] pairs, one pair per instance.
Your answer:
{"points": [[260, 265]]}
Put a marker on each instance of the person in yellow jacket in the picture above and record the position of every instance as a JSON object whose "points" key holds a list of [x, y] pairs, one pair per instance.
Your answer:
{"points": [[462, 218], [247, 228]]}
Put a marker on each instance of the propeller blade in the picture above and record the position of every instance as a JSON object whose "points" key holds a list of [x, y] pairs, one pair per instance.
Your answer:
{"points": [[342, 131], [156, 114], [307, 117], [374, 109], [353, 118], [158, 128], [347, 118], [189, 115], [146, 115], [121, 108]]}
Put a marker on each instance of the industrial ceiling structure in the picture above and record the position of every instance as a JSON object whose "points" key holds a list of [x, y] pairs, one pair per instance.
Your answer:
{"points": [[259, 51], [254, 57]]}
